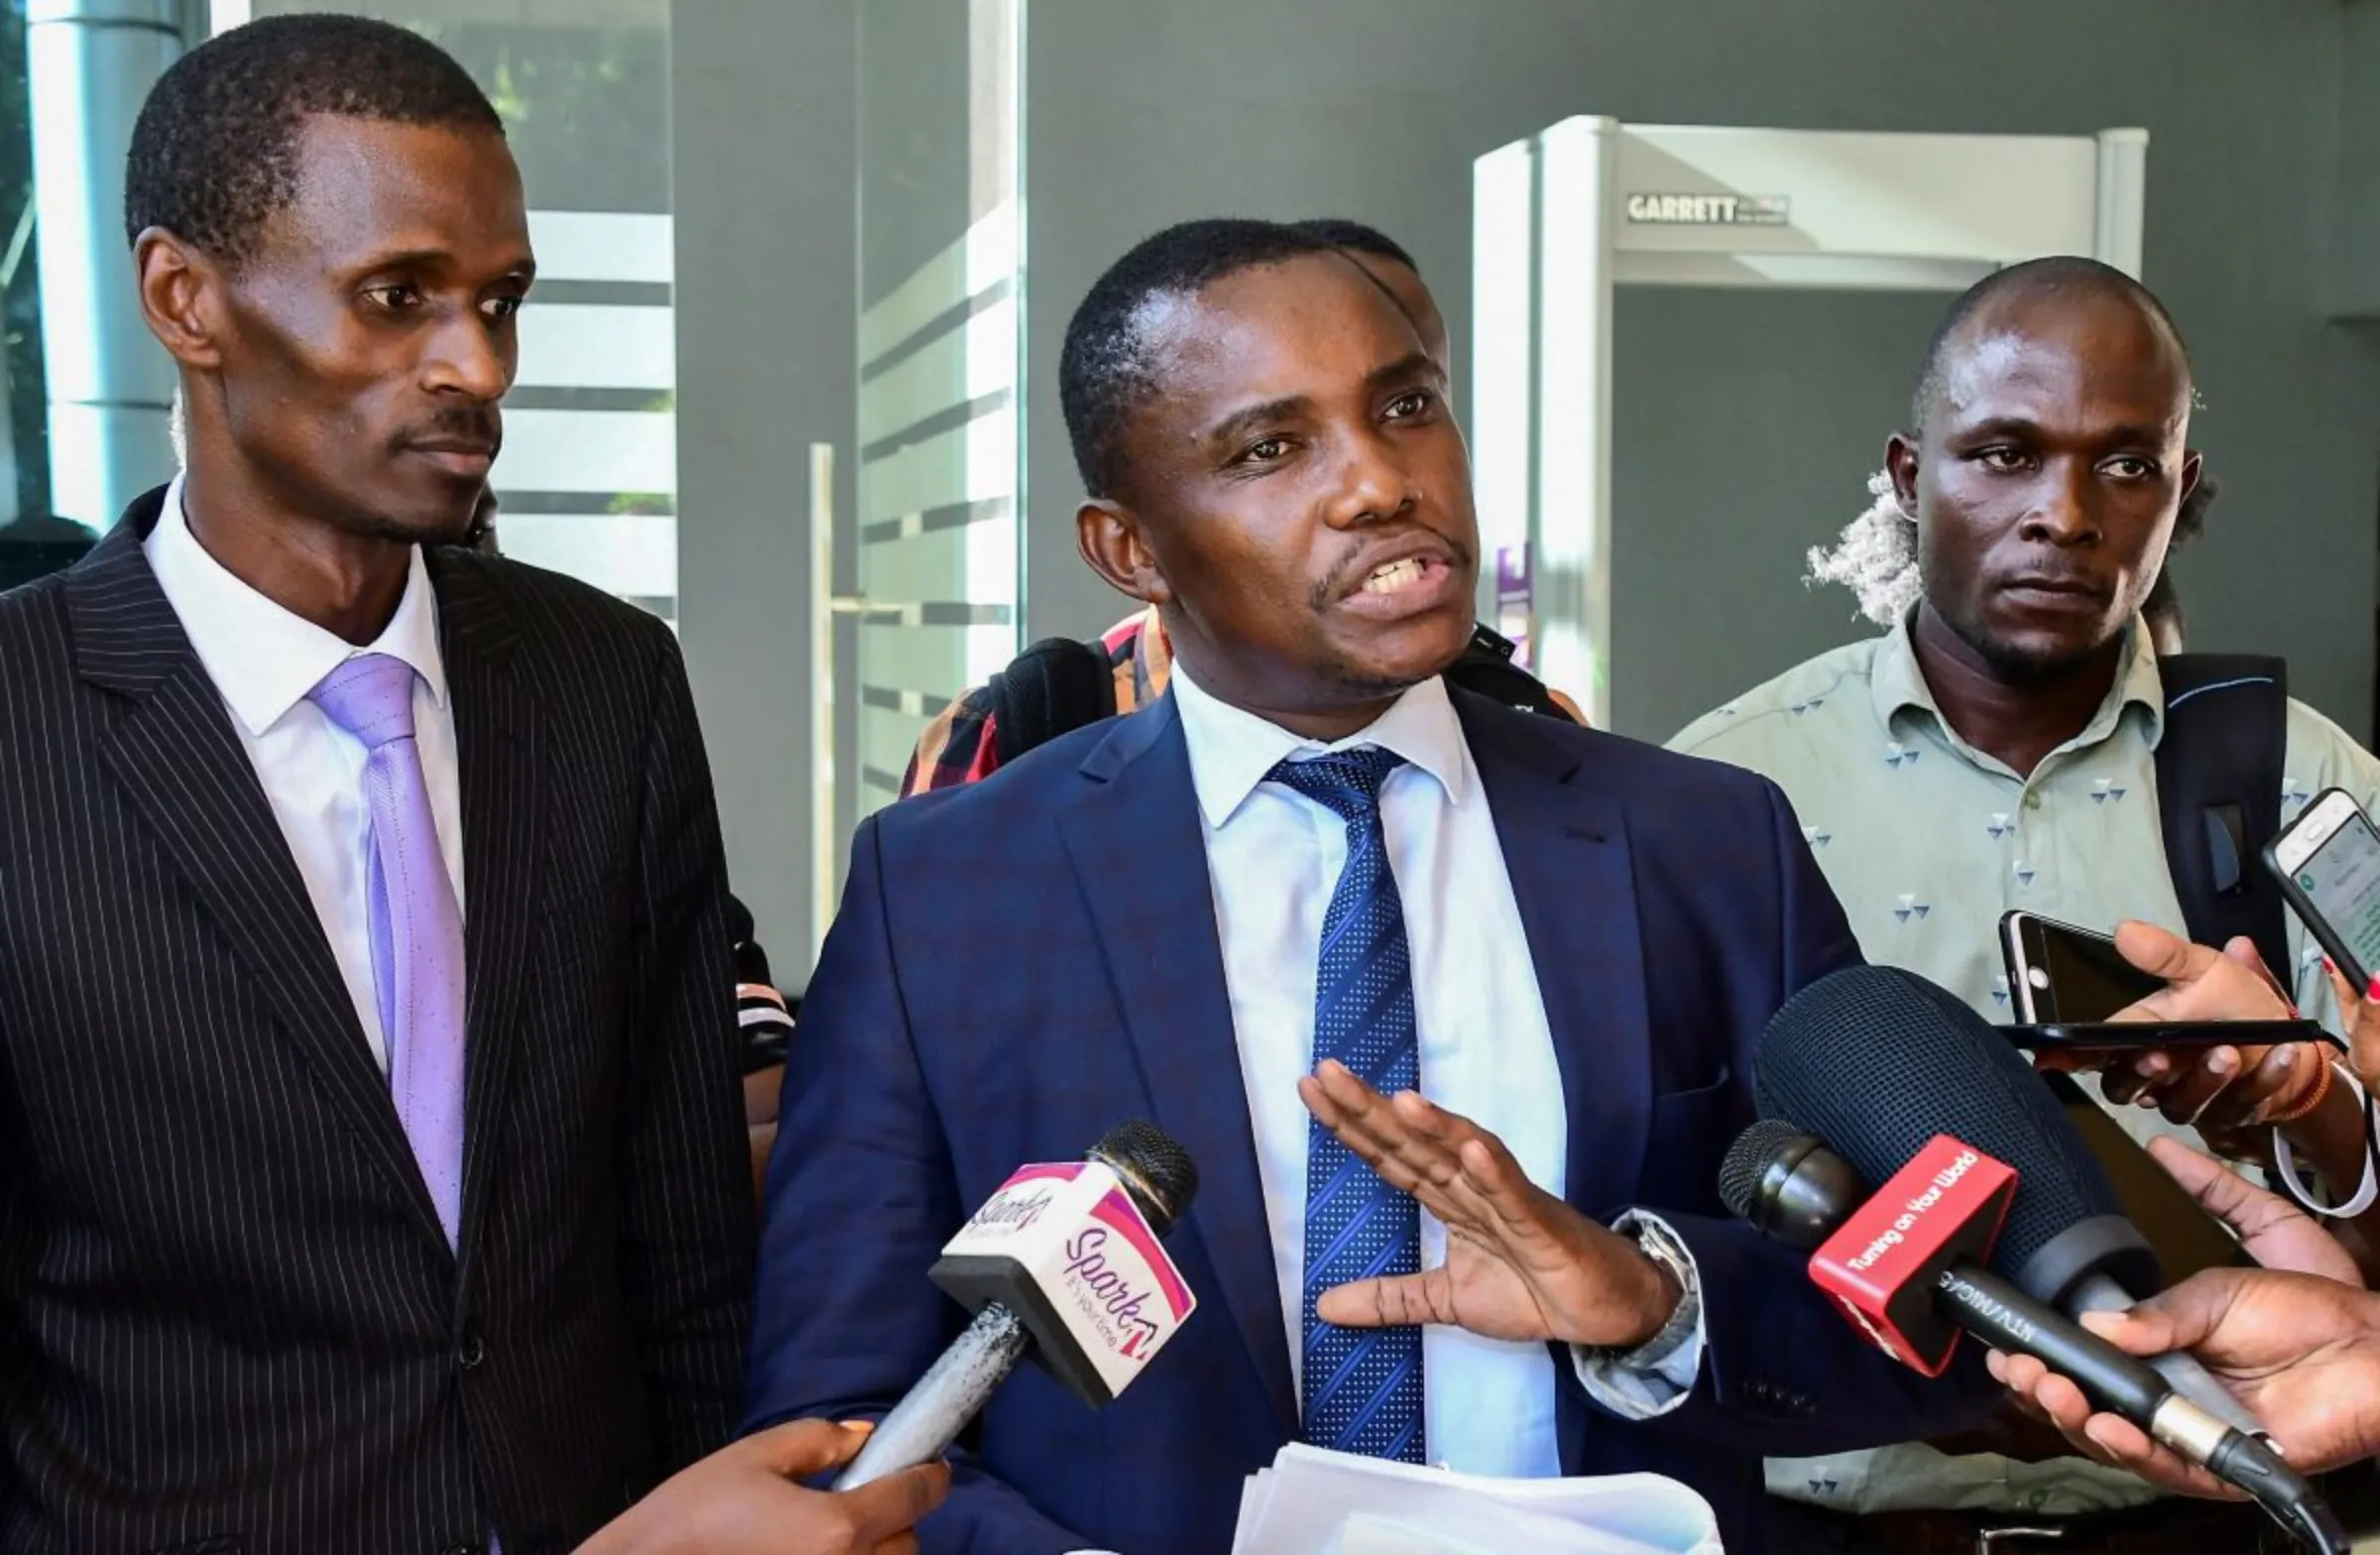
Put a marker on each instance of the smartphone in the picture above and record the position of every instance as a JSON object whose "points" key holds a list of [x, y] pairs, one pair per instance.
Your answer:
{"points": [[2104, 1037], [2060, 975], [2327, 862]]}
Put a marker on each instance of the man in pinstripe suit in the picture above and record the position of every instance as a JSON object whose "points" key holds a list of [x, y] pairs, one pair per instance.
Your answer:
{"points": [[325, 1227]]}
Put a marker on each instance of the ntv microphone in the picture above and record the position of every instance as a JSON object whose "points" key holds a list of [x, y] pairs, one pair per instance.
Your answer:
{"points": [[1875, 1062], [1905, 1265], [1061, 1264], [1859, 1049]]}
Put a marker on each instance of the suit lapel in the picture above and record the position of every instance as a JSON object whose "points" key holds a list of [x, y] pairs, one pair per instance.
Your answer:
{"points": [[180, 762], [496, 750], [1140, 854], [1566, 849]]}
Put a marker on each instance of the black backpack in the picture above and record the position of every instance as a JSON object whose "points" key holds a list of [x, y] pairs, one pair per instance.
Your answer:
{"points": [[2219, 770], [1061, 684]]}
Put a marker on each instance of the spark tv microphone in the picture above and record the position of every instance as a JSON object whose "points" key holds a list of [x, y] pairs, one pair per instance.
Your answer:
{"points": [[1061, 1264], [1878, 1064], [1875, 1062]]}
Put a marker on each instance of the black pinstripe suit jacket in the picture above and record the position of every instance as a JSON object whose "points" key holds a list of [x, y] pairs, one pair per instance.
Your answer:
{"points": [[228, 1319]]}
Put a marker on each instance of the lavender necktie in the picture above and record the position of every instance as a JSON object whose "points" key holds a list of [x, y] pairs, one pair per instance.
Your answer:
{"points": [[417, 924]]}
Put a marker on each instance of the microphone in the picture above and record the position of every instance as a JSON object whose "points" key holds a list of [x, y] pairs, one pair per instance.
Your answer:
{"points": [[1876, 1061], [1903, 1265], [1061, 1264]]}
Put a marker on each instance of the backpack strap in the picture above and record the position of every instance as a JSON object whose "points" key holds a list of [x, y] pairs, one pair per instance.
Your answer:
{"points": [[1486, 670], [1059, 685], [2219, 770], [1054, 687]]}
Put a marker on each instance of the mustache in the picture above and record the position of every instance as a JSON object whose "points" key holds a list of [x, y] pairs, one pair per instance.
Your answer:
{"points": [[480, 424], [1352, 564]]}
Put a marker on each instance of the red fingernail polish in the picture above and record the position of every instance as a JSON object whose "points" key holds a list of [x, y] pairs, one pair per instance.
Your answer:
{"points": [[2329, 966], [2373, 992]]}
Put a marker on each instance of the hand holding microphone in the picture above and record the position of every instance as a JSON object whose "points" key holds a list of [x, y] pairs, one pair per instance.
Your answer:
{"points": [[1521, 1263], [1063, 1265], [1889, 1071], [2302, 1351], [746, 1500]]}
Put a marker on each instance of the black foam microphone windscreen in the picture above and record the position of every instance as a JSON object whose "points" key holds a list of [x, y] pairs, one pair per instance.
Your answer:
{"points": [[1875, 1061]]}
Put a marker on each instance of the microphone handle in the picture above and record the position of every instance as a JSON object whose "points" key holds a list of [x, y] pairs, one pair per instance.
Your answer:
{"points": [[2180, 1368], [2001, 1314], [1995, 1311], [930, 1415]]}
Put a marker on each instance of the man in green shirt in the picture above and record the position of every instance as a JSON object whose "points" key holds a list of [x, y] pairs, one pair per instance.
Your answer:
{"points": [[1995, 750]]}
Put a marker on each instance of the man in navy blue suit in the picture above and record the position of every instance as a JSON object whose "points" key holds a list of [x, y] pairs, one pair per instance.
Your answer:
{"points": [[1309, 877]]}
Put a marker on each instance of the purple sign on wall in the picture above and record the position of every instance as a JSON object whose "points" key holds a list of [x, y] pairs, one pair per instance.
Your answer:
{"points": [[1512, 605]]}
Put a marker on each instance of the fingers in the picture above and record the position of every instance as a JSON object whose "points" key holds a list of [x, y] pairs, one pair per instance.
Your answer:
{"points": [[1394, 1301], [801, 1448], [2243, 950], [2105, 1438], [2195, 1083], [2359, 1012], [2275, 1232], [1458, 1171], [2204, 1178], [893, 1506], [2179, 1318], [2040, 1392], [2161, 953], [1364, 1120], [2201, 984], [2341, 990], [2218, 1088]]}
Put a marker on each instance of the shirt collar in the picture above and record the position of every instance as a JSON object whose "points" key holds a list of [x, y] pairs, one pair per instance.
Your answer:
{"points": [[1231, 748], [264, 659], [1898, 686]]}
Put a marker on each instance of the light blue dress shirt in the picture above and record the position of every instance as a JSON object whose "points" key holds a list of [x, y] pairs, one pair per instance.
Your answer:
{"points": [[1273, 858]]}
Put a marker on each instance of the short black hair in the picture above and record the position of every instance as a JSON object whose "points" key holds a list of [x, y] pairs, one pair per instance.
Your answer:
{"points": [[1105, 372], [214, 152], [1356, 238], [2060, 275]]}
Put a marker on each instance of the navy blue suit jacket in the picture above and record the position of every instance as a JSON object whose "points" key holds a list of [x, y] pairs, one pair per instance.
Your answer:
{"points": [[1023, 962]]}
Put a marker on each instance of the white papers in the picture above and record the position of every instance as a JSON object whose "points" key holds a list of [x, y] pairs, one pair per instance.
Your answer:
{"points": [[1311, 1500]]}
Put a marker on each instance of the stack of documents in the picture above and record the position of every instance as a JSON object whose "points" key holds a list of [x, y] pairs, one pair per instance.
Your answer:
{"points": [[1317, 1503]]}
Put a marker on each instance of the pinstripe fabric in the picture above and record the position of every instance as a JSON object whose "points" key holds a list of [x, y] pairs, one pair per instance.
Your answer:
{"points": [[228, 1319]]}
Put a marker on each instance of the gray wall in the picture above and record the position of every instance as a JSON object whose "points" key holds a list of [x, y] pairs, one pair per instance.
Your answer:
{"points": [[2356, 211], [763, 147], [1747, 423]]}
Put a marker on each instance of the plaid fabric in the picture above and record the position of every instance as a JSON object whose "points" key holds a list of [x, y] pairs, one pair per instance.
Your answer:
{"points": [[957, 747]]}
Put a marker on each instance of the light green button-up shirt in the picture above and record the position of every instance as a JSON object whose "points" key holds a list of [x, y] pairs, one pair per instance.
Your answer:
{"points": [[1927, 841]]}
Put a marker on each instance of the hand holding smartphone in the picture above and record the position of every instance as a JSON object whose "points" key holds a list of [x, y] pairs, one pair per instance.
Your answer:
{"points": [[2327, 862], [2064, 982]]}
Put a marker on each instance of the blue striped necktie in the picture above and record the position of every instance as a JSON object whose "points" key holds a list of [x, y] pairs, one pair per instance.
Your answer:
{"points": [[1361, 1387]]}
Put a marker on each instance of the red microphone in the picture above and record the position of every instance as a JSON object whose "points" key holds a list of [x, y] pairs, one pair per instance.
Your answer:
{"points": [[1884, 1266], [1907, 1267]]}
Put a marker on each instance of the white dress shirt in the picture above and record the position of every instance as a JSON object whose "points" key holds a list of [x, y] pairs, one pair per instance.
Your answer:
{"points": [[264, 660], [1273, 858]]}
